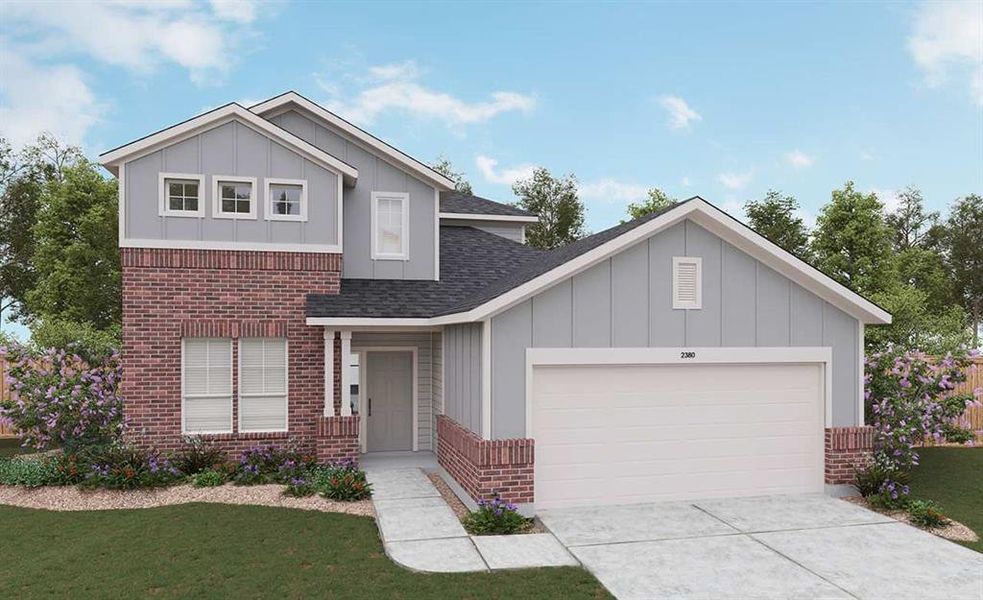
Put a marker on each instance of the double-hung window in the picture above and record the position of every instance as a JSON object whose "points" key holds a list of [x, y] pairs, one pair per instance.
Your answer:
{"points": [[286, 199], [180, 195], [390, 226], [206, 385], [262, 384], [234, 197]]}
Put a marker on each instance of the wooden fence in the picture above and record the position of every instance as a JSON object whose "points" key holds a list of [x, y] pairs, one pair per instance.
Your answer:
{"points": [[974, 380]]}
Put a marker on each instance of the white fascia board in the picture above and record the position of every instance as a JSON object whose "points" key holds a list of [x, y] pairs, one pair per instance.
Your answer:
{"points": [[417, 167], [338, 322], [485, 217], [152, 142], [238, 246]]}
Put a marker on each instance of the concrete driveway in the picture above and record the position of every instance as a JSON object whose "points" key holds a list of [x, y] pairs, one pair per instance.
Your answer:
{"points": [[764, 547]]}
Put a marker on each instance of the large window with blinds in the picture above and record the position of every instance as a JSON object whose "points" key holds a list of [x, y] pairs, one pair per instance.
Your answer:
{"points": [[262, 384], [206, 385]]}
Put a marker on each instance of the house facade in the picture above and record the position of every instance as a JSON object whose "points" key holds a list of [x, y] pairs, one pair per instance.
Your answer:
{"points": [[288, 278]]}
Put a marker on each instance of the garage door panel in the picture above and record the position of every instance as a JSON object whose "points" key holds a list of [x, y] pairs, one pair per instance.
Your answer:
{"points": [[620, 434]]}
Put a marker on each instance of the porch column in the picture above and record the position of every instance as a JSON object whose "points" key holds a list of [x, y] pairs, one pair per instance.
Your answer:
{"points": [[329, 372], [346, 370]]}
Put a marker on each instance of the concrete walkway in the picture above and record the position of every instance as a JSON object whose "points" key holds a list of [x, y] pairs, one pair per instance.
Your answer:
{"points": [[420, 531]]}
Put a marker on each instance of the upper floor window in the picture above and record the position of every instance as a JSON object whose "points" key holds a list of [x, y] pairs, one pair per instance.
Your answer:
{"points": [[180, 195], [286, 199], [390, 225], [234, 197]]}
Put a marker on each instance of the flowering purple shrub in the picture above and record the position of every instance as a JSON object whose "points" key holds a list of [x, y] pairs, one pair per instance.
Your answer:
{"points": [[121, 467], [60, 399], [909, 398], [496, 517], [268, 464]]}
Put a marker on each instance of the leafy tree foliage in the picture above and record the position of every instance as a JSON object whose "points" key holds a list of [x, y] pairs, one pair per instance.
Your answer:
{"points": [[445, 168], [774, 217], [910, 223], [964, 257], [561, 213], [852, 243], [916, 324], [657, 201]]}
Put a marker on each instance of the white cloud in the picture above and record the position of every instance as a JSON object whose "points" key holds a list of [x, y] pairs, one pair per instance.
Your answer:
{"points": [[680, 113], [888, 197], [948, 40], [865, 155], [611, 190], [396, 88], [799, 159], [487, 167], [136, 36], [686, 182], [52, 98], [239, 11], [735, 181]]}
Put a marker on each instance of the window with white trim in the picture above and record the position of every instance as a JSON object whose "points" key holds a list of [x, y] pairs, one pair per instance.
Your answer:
{"points": [[262, 384], [687, 282], [206, 385], [180, 195], [286, 199], [234, 197], [390, 226]]}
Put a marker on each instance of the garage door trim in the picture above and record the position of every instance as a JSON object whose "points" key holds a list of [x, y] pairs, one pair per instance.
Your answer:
{"points": [[678, 356]]}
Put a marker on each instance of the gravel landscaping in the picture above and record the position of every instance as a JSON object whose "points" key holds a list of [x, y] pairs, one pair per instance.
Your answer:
{"points": [[955, 531], [70, 498]]}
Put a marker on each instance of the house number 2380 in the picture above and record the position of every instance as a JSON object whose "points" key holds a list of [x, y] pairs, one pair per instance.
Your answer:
{"points": [[687, 355]]}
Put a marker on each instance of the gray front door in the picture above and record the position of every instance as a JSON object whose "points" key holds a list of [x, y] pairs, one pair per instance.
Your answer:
{"points": [[389, 380]]}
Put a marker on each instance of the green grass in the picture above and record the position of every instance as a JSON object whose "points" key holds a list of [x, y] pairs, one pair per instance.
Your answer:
{"points": [[953, 477], [204, 550]]}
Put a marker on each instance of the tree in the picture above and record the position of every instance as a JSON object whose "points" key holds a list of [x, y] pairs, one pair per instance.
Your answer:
{"points": [[561, 213], [774, 217], [445, 168], [76, 257], [964, 257], [657, 201], [910, 223], [852, 243], [916, 324]]}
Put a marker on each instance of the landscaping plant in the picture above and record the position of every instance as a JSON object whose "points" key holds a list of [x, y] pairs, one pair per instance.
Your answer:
{"points": [[926, 513], [208, 479], [496, 517], [121, 467], [909, 399], [198, 454], [28, 471], [59, 399], [342, 481], [269, 464]]}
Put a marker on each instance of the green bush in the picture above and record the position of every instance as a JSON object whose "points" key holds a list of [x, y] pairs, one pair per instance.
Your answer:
{"points": [[94, 345], [926, 513], [209, 479], [343, 482], [28, 471], [955, 434], [198, 454], [870, 479], [269, 464], [122, 467], [496, 517], [299, 487]]}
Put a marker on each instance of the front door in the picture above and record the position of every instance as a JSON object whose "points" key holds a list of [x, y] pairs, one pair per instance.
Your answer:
{"points": [[389, 401]]}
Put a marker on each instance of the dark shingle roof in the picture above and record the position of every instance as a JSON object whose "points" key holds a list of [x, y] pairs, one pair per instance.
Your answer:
{"points": [[470, 259], [456, 202]]}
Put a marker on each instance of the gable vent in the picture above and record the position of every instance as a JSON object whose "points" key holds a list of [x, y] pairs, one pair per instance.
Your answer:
{"points": [[687, 282]]}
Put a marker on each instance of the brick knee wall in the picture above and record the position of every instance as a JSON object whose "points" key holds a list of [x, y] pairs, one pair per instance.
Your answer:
{"points": [[484, 467], [337, 439], [846, 449], [171, 293]]}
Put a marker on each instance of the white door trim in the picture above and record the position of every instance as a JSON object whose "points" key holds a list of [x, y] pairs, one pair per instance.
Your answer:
{"points": [[678, 356], [363, 390]]}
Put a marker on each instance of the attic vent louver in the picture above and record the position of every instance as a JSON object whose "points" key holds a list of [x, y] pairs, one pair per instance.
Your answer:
{"points": [[687, 284]]}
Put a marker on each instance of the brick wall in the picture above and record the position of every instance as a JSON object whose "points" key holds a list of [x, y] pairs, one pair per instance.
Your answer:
{"points": [[483, 467], [337, 439], [846, 449], [170, 293]]}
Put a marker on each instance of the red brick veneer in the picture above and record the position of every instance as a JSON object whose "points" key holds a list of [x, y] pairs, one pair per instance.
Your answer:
{"points": [[484, 467], [846, 449], [170, 293], [337, 439]]}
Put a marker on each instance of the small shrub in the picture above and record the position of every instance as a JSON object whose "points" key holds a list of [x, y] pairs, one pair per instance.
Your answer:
{"points": [[268, 464], [926, 513], [955, 434], [208, 479], [122, 467], [299, 487], [198, 454], [343, 482], [870, 479], [29, 472], [495, 517]]}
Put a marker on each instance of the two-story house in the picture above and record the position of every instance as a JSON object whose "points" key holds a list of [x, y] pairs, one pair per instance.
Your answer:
{"points": [[266, 250]]}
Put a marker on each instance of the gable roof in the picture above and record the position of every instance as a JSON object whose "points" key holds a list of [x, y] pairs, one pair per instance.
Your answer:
{"points": [[557, 265], [111, 159], [455, 205], [292, 98]]}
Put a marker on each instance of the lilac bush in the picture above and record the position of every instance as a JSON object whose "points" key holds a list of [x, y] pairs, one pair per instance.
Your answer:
{"points": [[60, 399], [910, 398]]}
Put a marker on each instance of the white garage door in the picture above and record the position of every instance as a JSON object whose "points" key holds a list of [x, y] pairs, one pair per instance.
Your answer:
{"points": [[615, 434]]}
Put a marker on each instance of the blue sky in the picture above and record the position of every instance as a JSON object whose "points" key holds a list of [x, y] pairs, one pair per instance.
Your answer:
{"points": [[716, 99]]}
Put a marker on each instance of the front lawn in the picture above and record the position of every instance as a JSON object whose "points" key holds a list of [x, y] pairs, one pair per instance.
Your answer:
{"points": [[204, 550], [953, 477]]}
